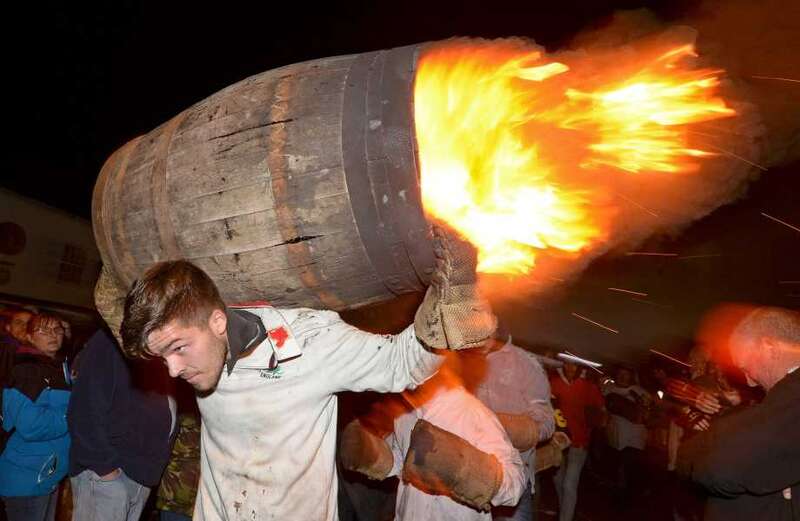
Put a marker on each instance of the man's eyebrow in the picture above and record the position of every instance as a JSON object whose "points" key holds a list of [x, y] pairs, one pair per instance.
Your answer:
{"points": [[167, 347]]}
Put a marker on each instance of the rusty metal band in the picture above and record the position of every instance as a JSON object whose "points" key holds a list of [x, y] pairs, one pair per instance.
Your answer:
{"points": [[104, 203], [299, 255], [159, 192]]}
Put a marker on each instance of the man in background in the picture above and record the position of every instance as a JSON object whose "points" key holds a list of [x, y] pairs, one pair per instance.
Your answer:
{"points": [[12, 336], [516, 389], [749, 462], [121, 437], [627, 402], [574, 396]]}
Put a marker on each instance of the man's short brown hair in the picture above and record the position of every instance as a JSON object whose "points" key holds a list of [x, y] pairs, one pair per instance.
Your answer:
{"points": [[170, 290]]}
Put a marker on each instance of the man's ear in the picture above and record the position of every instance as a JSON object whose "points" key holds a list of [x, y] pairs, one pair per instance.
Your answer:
{"points": [[218, 322]]}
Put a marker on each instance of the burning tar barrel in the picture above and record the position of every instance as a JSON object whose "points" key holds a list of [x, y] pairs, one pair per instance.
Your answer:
{"points": [[298, 185], [305, 185]]}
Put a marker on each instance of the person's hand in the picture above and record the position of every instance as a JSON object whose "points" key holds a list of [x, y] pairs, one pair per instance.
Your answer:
{"points": [[733, 397], [707, 403], [111, 476], [454, 315], [698, 421]]}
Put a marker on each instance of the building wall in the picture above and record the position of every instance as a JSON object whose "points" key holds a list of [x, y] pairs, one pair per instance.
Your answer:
{"points": [[45, 253]]}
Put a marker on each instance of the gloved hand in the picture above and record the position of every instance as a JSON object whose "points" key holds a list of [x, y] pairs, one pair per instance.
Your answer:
{"points": [[521, 429], [439, 462], [552, 454], [453, 314], [361, 451], [109, 298]]}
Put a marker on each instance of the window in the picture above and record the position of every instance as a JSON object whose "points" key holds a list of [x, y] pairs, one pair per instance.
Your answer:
{"points": [[73, 262]]}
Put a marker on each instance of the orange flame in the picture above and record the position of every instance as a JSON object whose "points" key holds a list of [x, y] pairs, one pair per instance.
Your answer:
{"points": [[502, 133]]}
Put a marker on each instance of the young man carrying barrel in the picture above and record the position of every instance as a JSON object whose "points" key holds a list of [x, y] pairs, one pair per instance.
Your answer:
{"points": [[266, 378]]}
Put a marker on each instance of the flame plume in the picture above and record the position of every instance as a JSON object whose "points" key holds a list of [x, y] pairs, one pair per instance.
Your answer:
{"points": [[512, 144]]}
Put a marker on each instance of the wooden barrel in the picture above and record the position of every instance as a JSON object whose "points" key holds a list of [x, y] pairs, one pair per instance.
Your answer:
{"points": [[298, 186]]}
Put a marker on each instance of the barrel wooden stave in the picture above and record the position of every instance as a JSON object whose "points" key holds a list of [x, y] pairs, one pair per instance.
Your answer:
{"points": [[250, 185]]}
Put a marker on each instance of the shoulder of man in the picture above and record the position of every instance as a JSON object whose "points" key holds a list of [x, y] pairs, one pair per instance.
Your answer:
{"points": [[304, 320]]}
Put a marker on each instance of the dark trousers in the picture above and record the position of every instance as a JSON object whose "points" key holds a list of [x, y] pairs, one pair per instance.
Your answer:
{"points": [[31, 508]]}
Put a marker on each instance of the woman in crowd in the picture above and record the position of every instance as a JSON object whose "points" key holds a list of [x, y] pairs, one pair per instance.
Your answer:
{"points": [[35, 456]]}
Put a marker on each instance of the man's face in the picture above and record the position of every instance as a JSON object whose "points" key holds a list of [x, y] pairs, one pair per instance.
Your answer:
{"points": [[624, 378], [471, 366], [18, 327], [747, 356], [196, 354]]}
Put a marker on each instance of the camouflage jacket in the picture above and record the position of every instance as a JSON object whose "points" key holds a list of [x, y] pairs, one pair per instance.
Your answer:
{"points": [[178, 486]]}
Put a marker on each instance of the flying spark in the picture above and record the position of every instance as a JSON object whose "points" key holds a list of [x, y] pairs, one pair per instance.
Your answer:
{"points": [[629, 291], [654, 214], [595, 323], [735, 156], [650, 303], [682, 257], [795, 228], [776, 78], [669, 357]]}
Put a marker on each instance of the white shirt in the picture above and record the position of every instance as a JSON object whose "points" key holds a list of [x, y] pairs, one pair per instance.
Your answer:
{"points": [[268, 437], [622, 432], [515, 383], [457, 411]]}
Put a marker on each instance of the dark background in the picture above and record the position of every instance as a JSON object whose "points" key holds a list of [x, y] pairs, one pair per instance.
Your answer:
{"points": [[85, 77]]}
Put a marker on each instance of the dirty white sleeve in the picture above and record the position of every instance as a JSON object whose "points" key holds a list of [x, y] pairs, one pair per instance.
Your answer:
{"points": [[514, 475], [397, 454], [355, 360], [485, 432], [538, 398]]}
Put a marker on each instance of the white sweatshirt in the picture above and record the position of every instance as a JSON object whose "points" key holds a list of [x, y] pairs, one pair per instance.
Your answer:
{"points": [[457, 411], [268, 437]]}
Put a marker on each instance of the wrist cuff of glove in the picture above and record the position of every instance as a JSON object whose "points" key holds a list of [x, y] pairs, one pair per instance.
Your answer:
{"points": [[458, 319]]}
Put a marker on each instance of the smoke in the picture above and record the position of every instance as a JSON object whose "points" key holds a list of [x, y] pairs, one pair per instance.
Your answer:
{"points": [[751, 41]]}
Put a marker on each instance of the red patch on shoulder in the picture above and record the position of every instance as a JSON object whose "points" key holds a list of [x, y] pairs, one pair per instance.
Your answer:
{"points": [[279, 335], [251, 304]]}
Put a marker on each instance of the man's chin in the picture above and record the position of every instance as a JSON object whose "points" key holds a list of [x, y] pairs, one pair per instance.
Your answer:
{"points": [[204, 385]]}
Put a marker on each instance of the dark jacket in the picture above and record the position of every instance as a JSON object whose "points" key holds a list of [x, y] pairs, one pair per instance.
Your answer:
{"points": [[748, 458], [34, 406], [8, 350], [112, 424]]}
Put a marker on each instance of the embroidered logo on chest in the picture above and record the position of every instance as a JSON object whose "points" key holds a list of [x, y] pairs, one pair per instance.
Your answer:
{"points": [[271, 374]]}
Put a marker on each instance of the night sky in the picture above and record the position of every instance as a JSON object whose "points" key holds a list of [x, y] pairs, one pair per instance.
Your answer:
{"points": [[89, 76], [85, 77]]}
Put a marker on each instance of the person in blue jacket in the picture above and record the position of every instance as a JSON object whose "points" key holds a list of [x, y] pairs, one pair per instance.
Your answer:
{"points": [[34, 407]]}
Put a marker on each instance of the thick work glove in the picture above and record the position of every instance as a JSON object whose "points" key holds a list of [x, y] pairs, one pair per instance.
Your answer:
{"points": [[109, 298], [552, 454], [522, 430], [453, 314], [361, 451], [439, 462]]}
